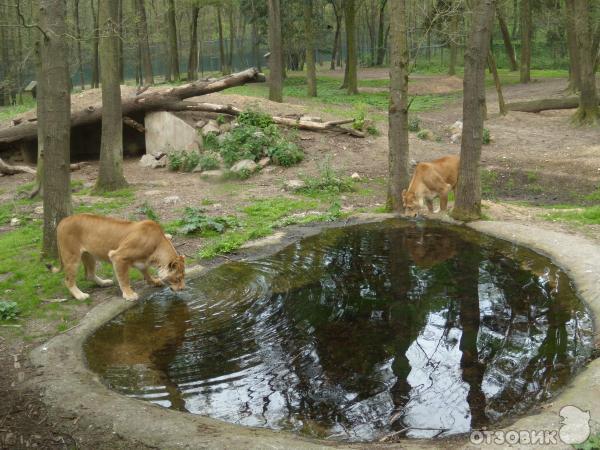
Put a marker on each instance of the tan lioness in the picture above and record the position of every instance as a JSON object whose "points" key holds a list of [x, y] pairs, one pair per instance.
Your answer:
{"points": [[86, 237], [431, 179]]}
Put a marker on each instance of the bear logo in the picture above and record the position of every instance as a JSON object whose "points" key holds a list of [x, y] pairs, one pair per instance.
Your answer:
{"points": [[575, 426]]}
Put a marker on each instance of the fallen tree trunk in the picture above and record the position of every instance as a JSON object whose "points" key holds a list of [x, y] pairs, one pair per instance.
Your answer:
{"points": [[535, 106], [163, 99], [7, 169], [300, 122]]}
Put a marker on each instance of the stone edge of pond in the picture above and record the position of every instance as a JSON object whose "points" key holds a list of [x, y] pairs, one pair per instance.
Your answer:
{"points": [[70, 389]]}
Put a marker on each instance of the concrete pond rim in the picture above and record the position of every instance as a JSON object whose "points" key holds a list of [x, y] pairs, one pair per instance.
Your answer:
{"points": [[69, 388]]}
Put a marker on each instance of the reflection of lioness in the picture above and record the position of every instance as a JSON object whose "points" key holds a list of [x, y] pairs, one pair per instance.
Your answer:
{"points": [[430, 180], [85, 237]]}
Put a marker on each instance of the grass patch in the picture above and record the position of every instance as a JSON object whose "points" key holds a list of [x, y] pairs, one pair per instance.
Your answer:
{"points": [[8, 112], [586, 216], [329, 182], [488, 179]]}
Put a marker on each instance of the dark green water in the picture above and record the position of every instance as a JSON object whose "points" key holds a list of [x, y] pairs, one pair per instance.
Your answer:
{"points": [[357, 333]]}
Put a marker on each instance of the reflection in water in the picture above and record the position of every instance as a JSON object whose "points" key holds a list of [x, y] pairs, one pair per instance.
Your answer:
{"points": [[357, 333]]}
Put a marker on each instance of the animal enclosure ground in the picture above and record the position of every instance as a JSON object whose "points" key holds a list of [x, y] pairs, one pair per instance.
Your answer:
{"points": [[536, 168]]}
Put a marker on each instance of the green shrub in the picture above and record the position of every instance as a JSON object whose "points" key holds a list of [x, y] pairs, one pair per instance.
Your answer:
{"points": [[8, 310], [255, 118], [210, 141], [209, 160], [285, 154], [328, 181], [149, 212], [414, 124], [182, 160], [424, 134], [195, 221], [220, 119], [174, 160], [486, 136]]}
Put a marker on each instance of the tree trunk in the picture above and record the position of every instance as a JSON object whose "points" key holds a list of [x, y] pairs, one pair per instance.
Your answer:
{"points": [[193, 58], [398, 110], [494, 70], [54, 112], [352, 65], [468, 189], [574, 64], [525, 75], [95, 43], [172, 36], [222, 61], [120, 47], [78, 38], [231, 38], [454, 32], [510, 51], [110, 174], [255, 41], [336, 39], [380, 31], [276, 56], [588, 112], [535, 106], [309, 35], [146, 60]]}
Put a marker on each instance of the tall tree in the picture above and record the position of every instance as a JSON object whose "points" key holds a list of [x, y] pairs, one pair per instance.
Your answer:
{"points": [[222, 60], [54, 116], [172, 37], [276, 49], [350, 80], [510, 50], [193, 58], [142, 32], [398, 110], [588, 111], [309, 35], [381, 47], [573, 47], [95, 43], [526, 34], [468, 190], [231, 37], [337, 11], [78, 39], [453, 38], [110, 175]]}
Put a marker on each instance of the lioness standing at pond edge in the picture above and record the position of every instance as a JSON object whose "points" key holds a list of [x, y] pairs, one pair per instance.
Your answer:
{"points": [[430, 180], [86, 237]]}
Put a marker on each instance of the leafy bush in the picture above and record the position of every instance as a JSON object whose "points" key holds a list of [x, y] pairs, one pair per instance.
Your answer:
{"points": [[195, 221], [209, 160], [414, 124], [210, 141], [424, 134], [182, 160], [149, 212], [220, 119], [328, 181], [9, 310], [255, 119], [486, 136], [174, 160], [285, 154], [359, 119]]}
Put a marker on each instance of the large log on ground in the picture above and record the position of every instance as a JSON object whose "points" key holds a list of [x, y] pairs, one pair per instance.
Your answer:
{"points": [[535, 106], [163, 99]]}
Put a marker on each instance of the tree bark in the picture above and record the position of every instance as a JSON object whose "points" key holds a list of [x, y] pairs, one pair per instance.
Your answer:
{"points": [[231, 38], [120, 46], [468, 189], [336, 38], [78, 38], [255, 38], [309, 32], [110, 174], [146, 60], [222, 60], [494, 70], [95, 44], [276, 56], [172, 37], [398, 110], [588, 112], [352, 65], [381, 47], [54, 111], [574, 65], [525, 75], [510, 50], [193, 58], [152, 101], [453, 44]]}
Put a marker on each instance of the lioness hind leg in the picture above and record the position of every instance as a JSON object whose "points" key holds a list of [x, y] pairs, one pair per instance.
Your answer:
{"points": [[121, 267], [444, 197], [429, 203], [89, 262], [70, 266]]}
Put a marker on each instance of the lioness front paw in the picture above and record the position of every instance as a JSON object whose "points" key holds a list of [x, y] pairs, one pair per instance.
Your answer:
{"points": [[132, 297], [82, 296]]}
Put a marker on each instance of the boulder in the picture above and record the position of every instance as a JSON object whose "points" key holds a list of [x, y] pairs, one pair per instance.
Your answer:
{"points": [[39, 210], [165, 132], [264, 162], [456, 127], [225, 127], [15, 222], [171, 200], [212, 175], [355, 176], [244, 165], [211, 127], [293, 185], [150, 161]]}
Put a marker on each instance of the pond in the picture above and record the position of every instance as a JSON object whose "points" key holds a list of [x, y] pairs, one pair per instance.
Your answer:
{"points": [[404, 327]]}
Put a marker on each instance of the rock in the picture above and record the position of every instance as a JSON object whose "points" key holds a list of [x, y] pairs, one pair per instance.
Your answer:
{"points": [[225, 127], [152, 192], [150, 161], [211, 127], [38, 210], [5, 276], [244, 165], [212, 175], [200, 123], [456, 127], [15, 222], [162, 162], [311, 119], [171, 200], [258, 134], [264, 162], [222, 137], [165, 132], [197, 169], [355, 176], [456, 138], [293, 185]]}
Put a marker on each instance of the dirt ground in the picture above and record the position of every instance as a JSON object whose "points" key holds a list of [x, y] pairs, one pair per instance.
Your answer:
{"points": [[548, 160]]}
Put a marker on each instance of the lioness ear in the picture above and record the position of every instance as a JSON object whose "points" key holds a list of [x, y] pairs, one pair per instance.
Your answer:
{"points": [[168, 236]]}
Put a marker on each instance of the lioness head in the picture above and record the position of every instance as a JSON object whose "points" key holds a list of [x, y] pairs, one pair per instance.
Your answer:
{"points": [[410, 203], [174, 273]]}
